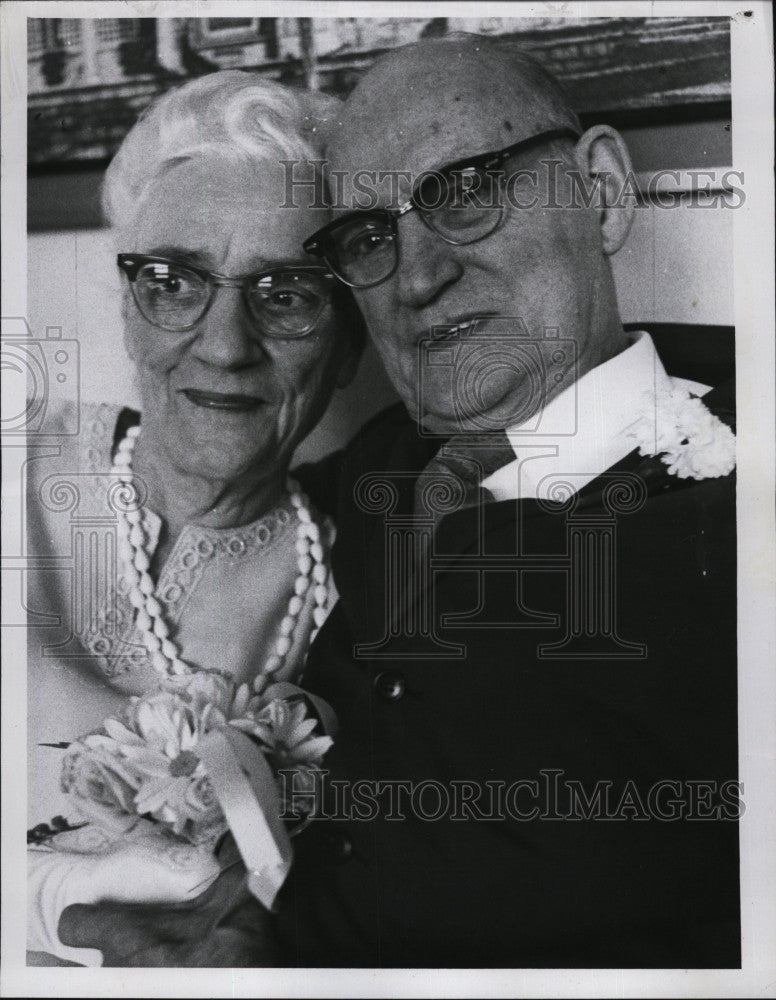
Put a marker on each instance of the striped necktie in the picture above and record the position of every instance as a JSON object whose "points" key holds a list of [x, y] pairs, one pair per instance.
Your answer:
{"points": [[460, 465]]}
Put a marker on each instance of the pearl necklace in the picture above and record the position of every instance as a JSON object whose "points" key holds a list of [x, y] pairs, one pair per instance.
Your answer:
{"points": [[164, 654]]}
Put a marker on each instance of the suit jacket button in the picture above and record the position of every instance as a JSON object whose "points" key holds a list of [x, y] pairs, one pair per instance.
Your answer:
{"points": [[341, 848], [390, 685]]}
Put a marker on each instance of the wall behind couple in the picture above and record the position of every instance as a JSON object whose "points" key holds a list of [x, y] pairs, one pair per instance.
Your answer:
{"points": [[676, 266]]}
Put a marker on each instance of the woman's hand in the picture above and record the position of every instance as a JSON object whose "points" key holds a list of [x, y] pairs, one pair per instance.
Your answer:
{"points": [[87, 866], [225, 927]]}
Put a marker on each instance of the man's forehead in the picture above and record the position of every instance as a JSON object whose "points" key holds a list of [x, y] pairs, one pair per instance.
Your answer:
{"points": [[435, 102]]}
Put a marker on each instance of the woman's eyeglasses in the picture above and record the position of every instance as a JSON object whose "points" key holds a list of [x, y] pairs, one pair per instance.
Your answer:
{"points": [[285, 302], [462, 203]]}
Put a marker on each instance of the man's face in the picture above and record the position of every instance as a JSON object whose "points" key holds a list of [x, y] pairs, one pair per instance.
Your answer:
{"points": [[540, 269]]}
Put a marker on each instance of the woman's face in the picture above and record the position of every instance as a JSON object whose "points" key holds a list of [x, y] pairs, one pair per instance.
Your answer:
{"points": [[223, 399]]}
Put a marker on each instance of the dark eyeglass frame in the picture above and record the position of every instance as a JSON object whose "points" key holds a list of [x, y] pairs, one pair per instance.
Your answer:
{"points": [[321, 243], [131, 263]]}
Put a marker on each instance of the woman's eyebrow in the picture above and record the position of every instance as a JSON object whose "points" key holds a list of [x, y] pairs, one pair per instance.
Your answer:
{"points": [[303, 260], [201, 258], [181, 254]]}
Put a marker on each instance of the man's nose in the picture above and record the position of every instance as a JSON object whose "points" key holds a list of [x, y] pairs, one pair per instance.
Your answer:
{"points": [[427, 265], [227, 336]]}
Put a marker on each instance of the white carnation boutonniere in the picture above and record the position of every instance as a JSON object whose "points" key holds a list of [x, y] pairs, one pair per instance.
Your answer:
{"points": [[678, 428]]}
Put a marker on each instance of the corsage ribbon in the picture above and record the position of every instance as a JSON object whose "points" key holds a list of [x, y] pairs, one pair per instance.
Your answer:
{"points": [[247, 791]]}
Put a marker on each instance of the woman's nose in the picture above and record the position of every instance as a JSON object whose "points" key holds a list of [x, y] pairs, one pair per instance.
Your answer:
{"points": [[427, 265], [226, 335]]}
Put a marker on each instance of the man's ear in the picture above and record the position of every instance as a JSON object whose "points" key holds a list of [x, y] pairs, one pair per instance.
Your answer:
{"points": [[602, 153]]}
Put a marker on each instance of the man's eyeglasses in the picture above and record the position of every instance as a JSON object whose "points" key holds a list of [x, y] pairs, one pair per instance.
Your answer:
{"points": [[285, 302], [462, 203]]}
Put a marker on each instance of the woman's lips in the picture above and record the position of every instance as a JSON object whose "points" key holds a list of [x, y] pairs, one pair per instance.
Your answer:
{"points": [[235, 402]]}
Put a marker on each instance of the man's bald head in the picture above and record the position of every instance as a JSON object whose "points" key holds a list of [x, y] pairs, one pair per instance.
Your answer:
{"points": [[467, 93]]}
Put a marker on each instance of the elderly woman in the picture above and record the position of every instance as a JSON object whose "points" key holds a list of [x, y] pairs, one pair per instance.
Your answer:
{"points": [[192, 548]]}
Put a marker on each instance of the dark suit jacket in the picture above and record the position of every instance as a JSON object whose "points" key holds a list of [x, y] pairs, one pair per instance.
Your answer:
{"points": [[434, 882]]}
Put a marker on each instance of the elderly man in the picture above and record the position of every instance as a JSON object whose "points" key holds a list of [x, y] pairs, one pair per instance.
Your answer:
{"points": [[579, 641], [533, 657]]}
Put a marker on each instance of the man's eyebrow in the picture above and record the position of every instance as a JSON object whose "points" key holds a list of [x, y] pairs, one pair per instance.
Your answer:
{"points": [[462, 162]]}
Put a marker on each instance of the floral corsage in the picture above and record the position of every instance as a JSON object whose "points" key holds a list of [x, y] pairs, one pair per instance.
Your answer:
{"points": [[198, 758], [685, 434]]}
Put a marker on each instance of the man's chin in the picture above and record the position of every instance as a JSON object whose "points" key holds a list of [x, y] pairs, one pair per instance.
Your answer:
{"points": [[497, 418], [449, 426]]}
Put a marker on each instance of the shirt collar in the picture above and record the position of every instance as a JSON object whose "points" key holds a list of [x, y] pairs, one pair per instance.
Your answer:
{"points": [[582, 431]]}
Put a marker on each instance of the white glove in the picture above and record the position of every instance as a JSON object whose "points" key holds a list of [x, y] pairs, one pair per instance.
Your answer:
{"points": [[146, 868]]}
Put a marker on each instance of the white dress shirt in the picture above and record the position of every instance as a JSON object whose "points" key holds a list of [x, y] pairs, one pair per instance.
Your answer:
{"points": [[584, 430]]}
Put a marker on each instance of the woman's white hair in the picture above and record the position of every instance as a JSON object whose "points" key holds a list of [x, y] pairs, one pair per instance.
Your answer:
{"points": [[230, 113]]}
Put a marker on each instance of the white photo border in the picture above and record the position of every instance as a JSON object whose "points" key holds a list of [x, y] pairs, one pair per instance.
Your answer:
{"points": [[752, 101]]}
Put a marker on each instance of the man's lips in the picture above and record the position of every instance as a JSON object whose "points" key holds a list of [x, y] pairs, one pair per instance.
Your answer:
{"points": [[234, 401], [456, 326]]}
